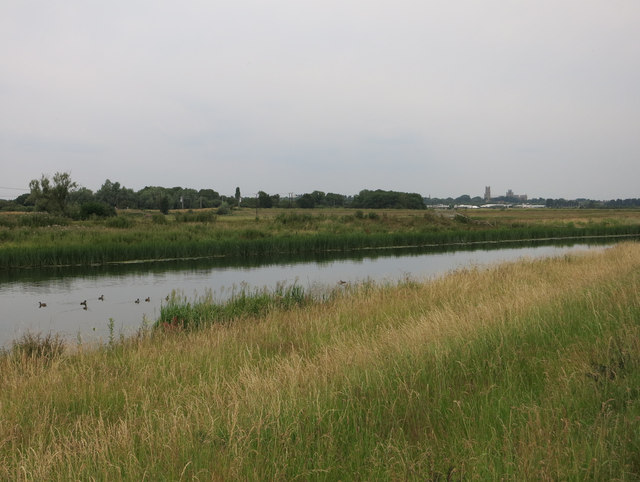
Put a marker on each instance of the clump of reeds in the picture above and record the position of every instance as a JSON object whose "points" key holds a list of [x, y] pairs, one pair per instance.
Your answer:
{"points": [[35, 346], [181, 313]]}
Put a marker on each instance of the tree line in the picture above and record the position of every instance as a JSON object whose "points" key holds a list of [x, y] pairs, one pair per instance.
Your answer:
{"points": [[61, 195]]}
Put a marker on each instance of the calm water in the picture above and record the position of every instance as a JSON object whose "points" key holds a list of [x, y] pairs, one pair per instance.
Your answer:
{"points": [[64, 289]]}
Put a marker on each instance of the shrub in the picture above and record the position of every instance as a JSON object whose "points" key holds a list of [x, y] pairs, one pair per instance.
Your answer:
{"points": [[224, 209], [97, 209]]}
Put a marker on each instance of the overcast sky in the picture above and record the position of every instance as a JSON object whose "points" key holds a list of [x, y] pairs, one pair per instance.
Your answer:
{"points": [[438, 97]]}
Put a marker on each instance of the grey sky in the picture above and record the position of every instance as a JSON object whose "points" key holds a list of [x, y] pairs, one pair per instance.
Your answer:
{"points": [[436, 97]]}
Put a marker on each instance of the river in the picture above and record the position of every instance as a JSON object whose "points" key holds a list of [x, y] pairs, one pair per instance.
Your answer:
{"points": [[126, 288]]}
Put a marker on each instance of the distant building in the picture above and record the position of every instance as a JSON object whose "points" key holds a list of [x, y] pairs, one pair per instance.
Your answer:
{"points": [[520, 197], [487, 193]]}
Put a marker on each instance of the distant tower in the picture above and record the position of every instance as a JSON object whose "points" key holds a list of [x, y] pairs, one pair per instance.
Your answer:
{"points": [[487, 193]]}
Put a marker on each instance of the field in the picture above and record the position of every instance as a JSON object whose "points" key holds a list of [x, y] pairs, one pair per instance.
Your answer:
{"points": [[525, 371], [36, 240]]}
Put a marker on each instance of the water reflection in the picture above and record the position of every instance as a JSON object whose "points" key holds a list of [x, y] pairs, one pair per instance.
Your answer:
{"points": [[120, 285]]}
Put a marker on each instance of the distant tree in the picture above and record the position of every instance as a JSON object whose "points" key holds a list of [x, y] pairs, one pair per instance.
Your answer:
{"points": [[318, 198], [264, 200], [332, 199], [24, 199], [464, 199], [127, 198], [52, 195], [109, 193], [306, 201], [81, 196], [380, 199], [208, 198], [164, 204]]}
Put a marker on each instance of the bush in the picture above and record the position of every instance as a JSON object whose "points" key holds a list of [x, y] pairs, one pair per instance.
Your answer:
{"points": [[224, 209], [96, 209]]}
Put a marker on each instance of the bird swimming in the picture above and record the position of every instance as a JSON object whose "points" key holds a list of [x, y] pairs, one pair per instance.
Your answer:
{"points": [[101, 297], [147, 299], [42, 305]]}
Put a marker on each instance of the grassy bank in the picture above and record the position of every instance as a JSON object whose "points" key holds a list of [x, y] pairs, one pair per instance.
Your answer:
{"points": [[527, 371], [140, 236]]}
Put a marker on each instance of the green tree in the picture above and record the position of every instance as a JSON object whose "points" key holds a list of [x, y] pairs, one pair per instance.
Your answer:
{"points": [[264, 200], [164, 204], [51, 195], [306, 201], [109, 193], [80, 196]]}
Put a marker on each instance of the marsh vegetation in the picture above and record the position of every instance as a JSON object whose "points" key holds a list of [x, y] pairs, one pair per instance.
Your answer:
{"points": [[30, 240]]}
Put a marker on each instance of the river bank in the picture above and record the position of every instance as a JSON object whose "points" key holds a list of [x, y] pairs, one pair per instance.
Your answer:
{"points": [[523, 371], [133, 237]]}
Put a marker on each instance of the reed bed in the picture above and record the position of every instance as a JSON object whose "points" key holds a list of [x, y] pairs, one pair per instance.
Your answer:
{"points": [[90, 244], [525, 371]]}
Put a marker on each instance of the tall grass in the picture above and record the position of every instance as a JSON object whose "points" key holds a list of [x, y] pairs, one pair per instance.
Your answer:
{"points": [[90, 245], [181, 313], [526, 371]]}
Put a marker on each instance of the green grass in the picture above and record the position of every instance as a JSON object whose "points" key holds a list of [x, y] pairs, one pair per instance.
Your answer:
{"points": [[526, 371], [182, 314], [131, 237]]}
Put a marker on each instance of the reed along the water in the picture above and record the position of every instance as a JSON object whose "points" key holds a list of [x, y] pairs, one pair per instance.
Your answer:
{"points": [[86, 243], [525, 371]]}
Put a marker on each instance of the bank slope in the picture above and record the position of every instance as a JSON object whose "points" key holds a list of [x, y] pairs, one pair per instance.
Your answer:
{"points": [[526, 371]]}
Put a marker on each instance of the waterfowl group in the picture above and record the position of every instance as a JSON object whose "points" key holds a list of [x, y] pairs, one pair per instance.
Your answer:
{"points": [[137, 300]]}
